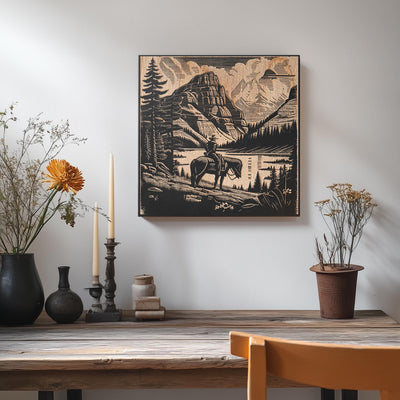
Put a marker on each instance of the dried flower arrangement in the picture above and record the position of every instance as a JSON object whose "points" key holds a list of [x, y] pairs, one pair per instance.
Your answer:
{"points": [[345, 214], [25, 205]]}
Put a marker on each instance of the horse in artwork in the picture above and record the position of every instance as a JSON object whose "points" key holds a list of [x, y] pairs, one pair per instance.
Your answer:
{"points": [[206, 165]]}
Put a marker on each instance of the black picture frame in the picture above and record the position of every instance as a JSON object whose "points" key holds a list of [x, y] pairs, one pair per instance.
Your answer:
{"points": [[219, 136]]}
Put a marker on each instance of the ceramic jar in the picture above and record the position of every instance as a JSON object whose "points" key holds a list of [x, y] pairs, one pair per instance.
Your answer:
{"points": [[21, 291], [143, 286], [64, 306]]}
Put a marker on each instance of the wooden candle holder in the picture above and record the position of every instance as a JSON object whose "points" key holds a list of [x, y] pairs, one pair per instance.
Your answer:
{"points": [[109, 312]]}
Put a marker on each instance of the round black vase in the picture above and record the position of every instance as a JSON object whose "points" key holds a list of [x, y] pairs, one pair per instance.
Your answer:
{"points": [[21, 291], [64, 305]]}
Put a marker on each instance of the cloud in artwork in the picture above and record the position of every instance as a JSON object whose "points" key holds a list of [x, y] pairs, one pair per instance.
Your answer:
{"points": [[255, 93]]}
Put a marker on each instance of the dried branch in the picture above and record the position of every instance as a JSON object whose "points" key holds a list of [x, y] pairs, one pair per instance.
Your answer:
{"points": [[346, 213], [25, 205]]}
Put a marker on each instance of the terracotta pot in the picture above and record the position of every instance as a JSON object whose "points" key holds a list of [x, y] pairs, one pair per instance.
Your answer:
{"points": [[337, 290]]}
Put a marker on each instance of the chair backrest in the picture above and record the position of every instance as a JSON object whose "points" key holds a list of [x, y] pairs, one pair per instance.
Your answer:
{"points": [[329, 366]]}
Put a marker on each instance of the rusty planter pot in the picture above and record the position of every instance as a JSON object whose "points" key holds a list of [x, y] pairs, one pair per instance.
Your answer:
{"points": [[337, 290]]}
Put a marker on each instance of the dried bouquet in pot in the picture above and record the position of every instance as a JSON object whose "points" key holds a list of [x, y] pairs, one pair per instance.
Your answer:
{"points": [[345, 214], [34, 185]]}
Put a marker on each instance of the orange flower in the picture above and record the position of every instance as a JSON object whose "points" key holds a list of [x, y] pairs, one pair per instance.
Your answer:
{"points": [[63, 176]]}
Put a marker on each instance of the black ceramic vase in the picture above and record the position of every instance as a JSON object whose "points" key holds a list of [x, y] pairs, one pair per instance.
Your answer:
{"points": [[64, 305], [21, 291]]}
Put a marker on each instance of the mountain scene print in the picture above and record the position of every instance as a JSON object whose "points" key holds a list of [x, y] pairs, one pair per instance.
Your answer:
{"points": [[218, 136]]}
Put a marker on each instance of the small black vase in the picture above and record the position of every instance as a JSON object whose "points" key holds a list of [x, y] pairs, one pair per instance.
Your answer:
{"points": [[21, 291], [64, 305]]}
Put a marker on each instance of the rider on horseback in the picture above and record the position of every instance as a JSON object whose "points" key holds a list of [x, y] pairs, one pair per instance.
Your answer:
{"points": [[211, 151]]}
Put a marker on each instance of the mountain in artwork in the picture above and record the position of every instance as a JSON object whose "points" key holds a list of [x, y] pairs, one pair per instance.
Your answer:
{"points": [[284, 115], [200, 109]]}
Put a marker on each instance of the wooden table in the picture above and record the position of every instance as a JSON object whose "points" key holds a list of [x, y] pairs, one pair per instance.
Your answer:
{"points": [[190, 349]]}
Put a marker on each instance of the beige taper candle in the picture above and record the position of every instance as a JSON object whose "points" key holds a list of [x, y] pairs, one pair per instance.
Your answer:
{"points": [[111, 227], [95, 258]]}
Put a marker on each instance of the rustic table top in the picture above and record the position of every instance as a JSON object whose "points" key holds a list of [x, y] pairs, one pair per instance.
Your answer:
{"points": [[188, 349]]}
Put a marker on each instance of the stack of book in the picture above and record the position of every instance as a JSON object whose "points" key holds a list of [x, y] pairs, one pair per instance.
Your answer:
{"points": [[149, 307]]}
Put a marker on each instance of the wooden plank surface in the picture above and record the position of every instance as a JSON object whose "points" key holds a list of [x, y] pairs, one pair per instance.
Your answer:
{"points": [[138, 379], [231, 318], [188, 349]]}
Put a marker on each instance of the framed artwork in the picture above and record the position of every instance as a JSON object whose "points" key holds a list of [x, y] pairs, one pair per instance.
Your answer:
{"points": [[219, 136]]}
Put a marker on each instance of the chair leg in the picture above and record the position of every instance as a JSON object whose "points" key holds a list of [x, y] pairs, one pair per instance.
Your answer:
{"points": [[349, 395], [74, 394], [327, 394], [45, 395]]}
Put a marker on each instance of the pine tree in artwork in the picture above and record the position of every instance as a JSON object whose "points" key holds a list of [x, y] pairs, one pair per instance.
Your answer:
{"points": [[146, 145], [152, 88], [292, 173], [282, 178], [169, 112], [264, 186], [257, 183], [273, 183]]}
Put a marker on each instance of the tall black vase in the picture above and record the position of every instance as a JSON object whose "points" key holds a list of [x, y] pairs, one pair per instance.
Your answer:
{"points": [[64, 305], [21, 291]]}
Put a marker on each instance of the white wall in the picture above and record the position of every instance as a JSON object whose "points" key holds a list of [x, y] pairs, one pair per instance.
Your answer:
{"points": [[79, 60]]}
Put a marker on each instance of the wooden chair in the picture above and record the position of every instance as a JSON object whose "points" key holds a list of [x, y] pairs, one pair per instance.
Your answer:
{"points": [[318, 365]]}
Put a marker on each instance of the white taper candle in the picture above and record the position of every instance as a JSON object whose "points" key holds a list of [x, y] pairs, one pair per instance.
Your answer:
{"points": [[95, 258], [111, 227]]}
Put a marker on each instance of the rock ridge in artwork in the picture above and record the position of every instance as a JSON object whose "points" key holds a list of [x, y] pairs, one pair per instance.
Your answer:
{"points": [[201, 108], [286, 113]]}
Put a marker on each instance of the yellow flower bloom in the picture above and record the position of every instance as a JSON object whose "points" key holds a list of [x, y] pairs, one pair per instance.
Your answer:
{"points": [[63, 176]]}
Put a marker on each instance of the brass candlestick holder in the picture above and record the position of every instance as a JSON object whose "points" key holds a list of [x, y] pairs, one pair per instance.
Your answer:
{"points": [[108, 312]]}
